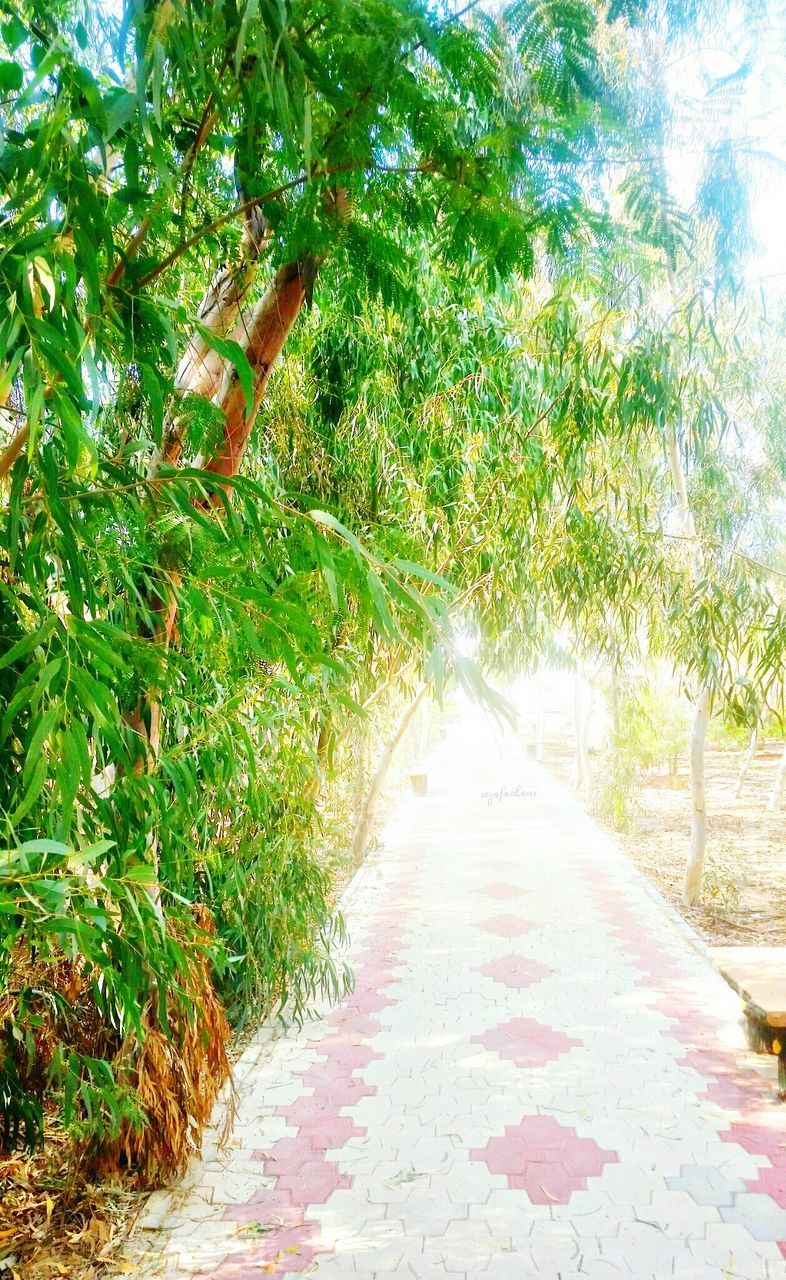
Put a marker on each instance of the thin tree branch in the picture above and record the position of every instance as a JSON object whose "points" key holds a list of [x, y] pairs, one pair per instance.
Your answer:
{"points": [[245, 205], [12, 451]]}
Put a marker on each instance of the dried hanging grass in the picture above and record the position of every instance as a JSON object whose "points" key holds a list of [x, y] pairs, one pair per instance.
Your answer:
{"points": [[176, 1077], [58, 1009], [57, 1216]]}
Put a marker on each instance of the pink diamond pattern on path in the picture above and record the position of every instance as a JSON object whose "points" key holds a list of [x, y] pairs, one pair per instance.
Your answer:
{"points": [[506, 926], [546, 1159], [501, 890], [515, 971], [305, 1179], [526, 1042], [338, 1111]]}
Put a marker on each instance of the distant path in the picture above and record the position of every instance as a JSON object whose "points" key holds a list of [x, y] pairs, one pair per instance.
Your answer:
{"points": [[538, 1074]]}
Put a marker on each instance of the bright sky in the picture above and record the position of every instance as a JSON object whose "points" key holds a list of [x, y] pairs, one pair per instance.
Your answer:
{"points": [[751, 112]]}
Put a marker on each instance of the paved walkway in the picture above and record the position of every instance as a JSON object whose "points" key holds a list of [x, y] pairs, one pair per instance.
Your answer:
{"points": [[539, 1074]]}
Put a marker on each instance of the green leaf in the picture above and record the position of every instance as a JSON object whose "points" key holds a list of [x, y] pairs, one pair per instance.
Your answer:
{"points": [[40, 735], [10, 77], [14, 33], [418, 571], [329, 521], [234, 353], [120, 107], [26, 644], [384, 617], [152, 388]]}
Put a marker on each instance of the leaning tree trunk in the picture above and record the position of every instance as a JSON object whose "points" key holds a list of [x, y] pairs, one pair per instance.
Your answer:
{"points": [[702, 708], [582, 710], [747, 760], [694, 868], [776, 795], [369, 808], [577, 754], [201, 368], [361, 749], [268, 328], [540, 721]]}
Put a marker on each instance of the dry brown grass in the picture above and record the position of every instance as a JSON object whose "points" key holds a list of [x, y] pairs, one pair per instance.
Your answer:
{"points": [[176, 1078], [55, 1221], [65, 1209], [745, 885]]}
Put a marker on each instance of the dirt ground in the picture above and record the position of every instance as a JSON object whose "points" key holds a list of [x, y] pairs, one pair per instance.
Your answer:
{"points": [[744, 901]]}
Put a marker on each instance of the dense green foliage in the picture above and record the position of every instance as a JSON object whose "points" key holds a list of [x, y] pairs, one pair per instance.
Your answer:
{"points": [[178, 654], [467, 422]]}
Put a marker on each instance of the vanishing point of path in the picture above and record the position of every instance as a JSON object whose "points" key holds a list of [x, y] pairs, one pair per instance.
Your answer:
{"points": [[538, 1074]]}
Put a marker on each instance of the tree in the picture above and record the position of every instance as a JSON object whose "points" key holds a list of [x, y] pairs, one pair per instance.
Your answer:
{"points": [[185, 634]]}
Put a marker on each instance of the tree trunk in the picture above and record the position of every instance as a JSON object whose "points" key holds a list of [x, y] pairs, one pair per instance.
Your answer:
{"points": [[577, 758], [423, 732], [540, 720], [582, 709], [268, 329], [201, 369], [615, 704], [368, 811], [776, 795], [362, 741], [12, 450], [694, 867], [694, 870], [586, 763], [323, 750], [747, 760]]}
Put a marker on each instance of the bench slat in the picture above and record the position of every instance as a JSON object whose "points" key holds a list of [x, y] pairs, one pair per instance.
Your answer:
{"points": [[758, 974]]}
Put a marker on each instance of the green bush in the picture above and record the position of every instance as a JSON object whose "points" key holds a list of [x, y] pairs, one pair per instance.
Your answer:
{"points": [[650, 732]]}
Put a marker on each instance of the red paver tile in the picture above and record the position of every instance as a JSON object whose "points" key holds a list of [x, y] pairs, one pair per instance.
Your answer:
{"points": [[506, 926], [544, 1158], [526, 1042], [501, 890], [517, 972]]}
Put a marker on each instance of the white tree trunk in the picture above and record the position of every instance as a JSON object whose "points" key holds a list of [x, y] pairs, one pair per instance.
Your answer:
{"points": [[694, 870], [615, 703], [577, 758], [586, 762], [747, 759], [776, 795], [369, 807], [694, 867], [582, 709], [361, 745], [201, 369], [540, 720], [423, 732]]}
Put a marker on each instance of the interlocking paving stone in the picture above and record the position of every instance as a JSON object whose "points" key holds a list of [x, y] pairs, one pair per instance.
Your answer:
{"points": [[539, 1073], [759, 1214], [706, 1184]]}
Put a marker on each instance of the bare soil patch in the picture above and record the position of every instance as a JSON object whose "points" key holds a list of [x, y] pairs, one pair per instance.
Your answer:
{"points": [[744, 899]]}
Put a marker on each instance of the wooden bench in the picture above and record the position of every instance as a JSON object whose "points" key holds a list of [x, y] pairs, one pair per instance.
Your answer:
{"points": [[758, 975]]}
